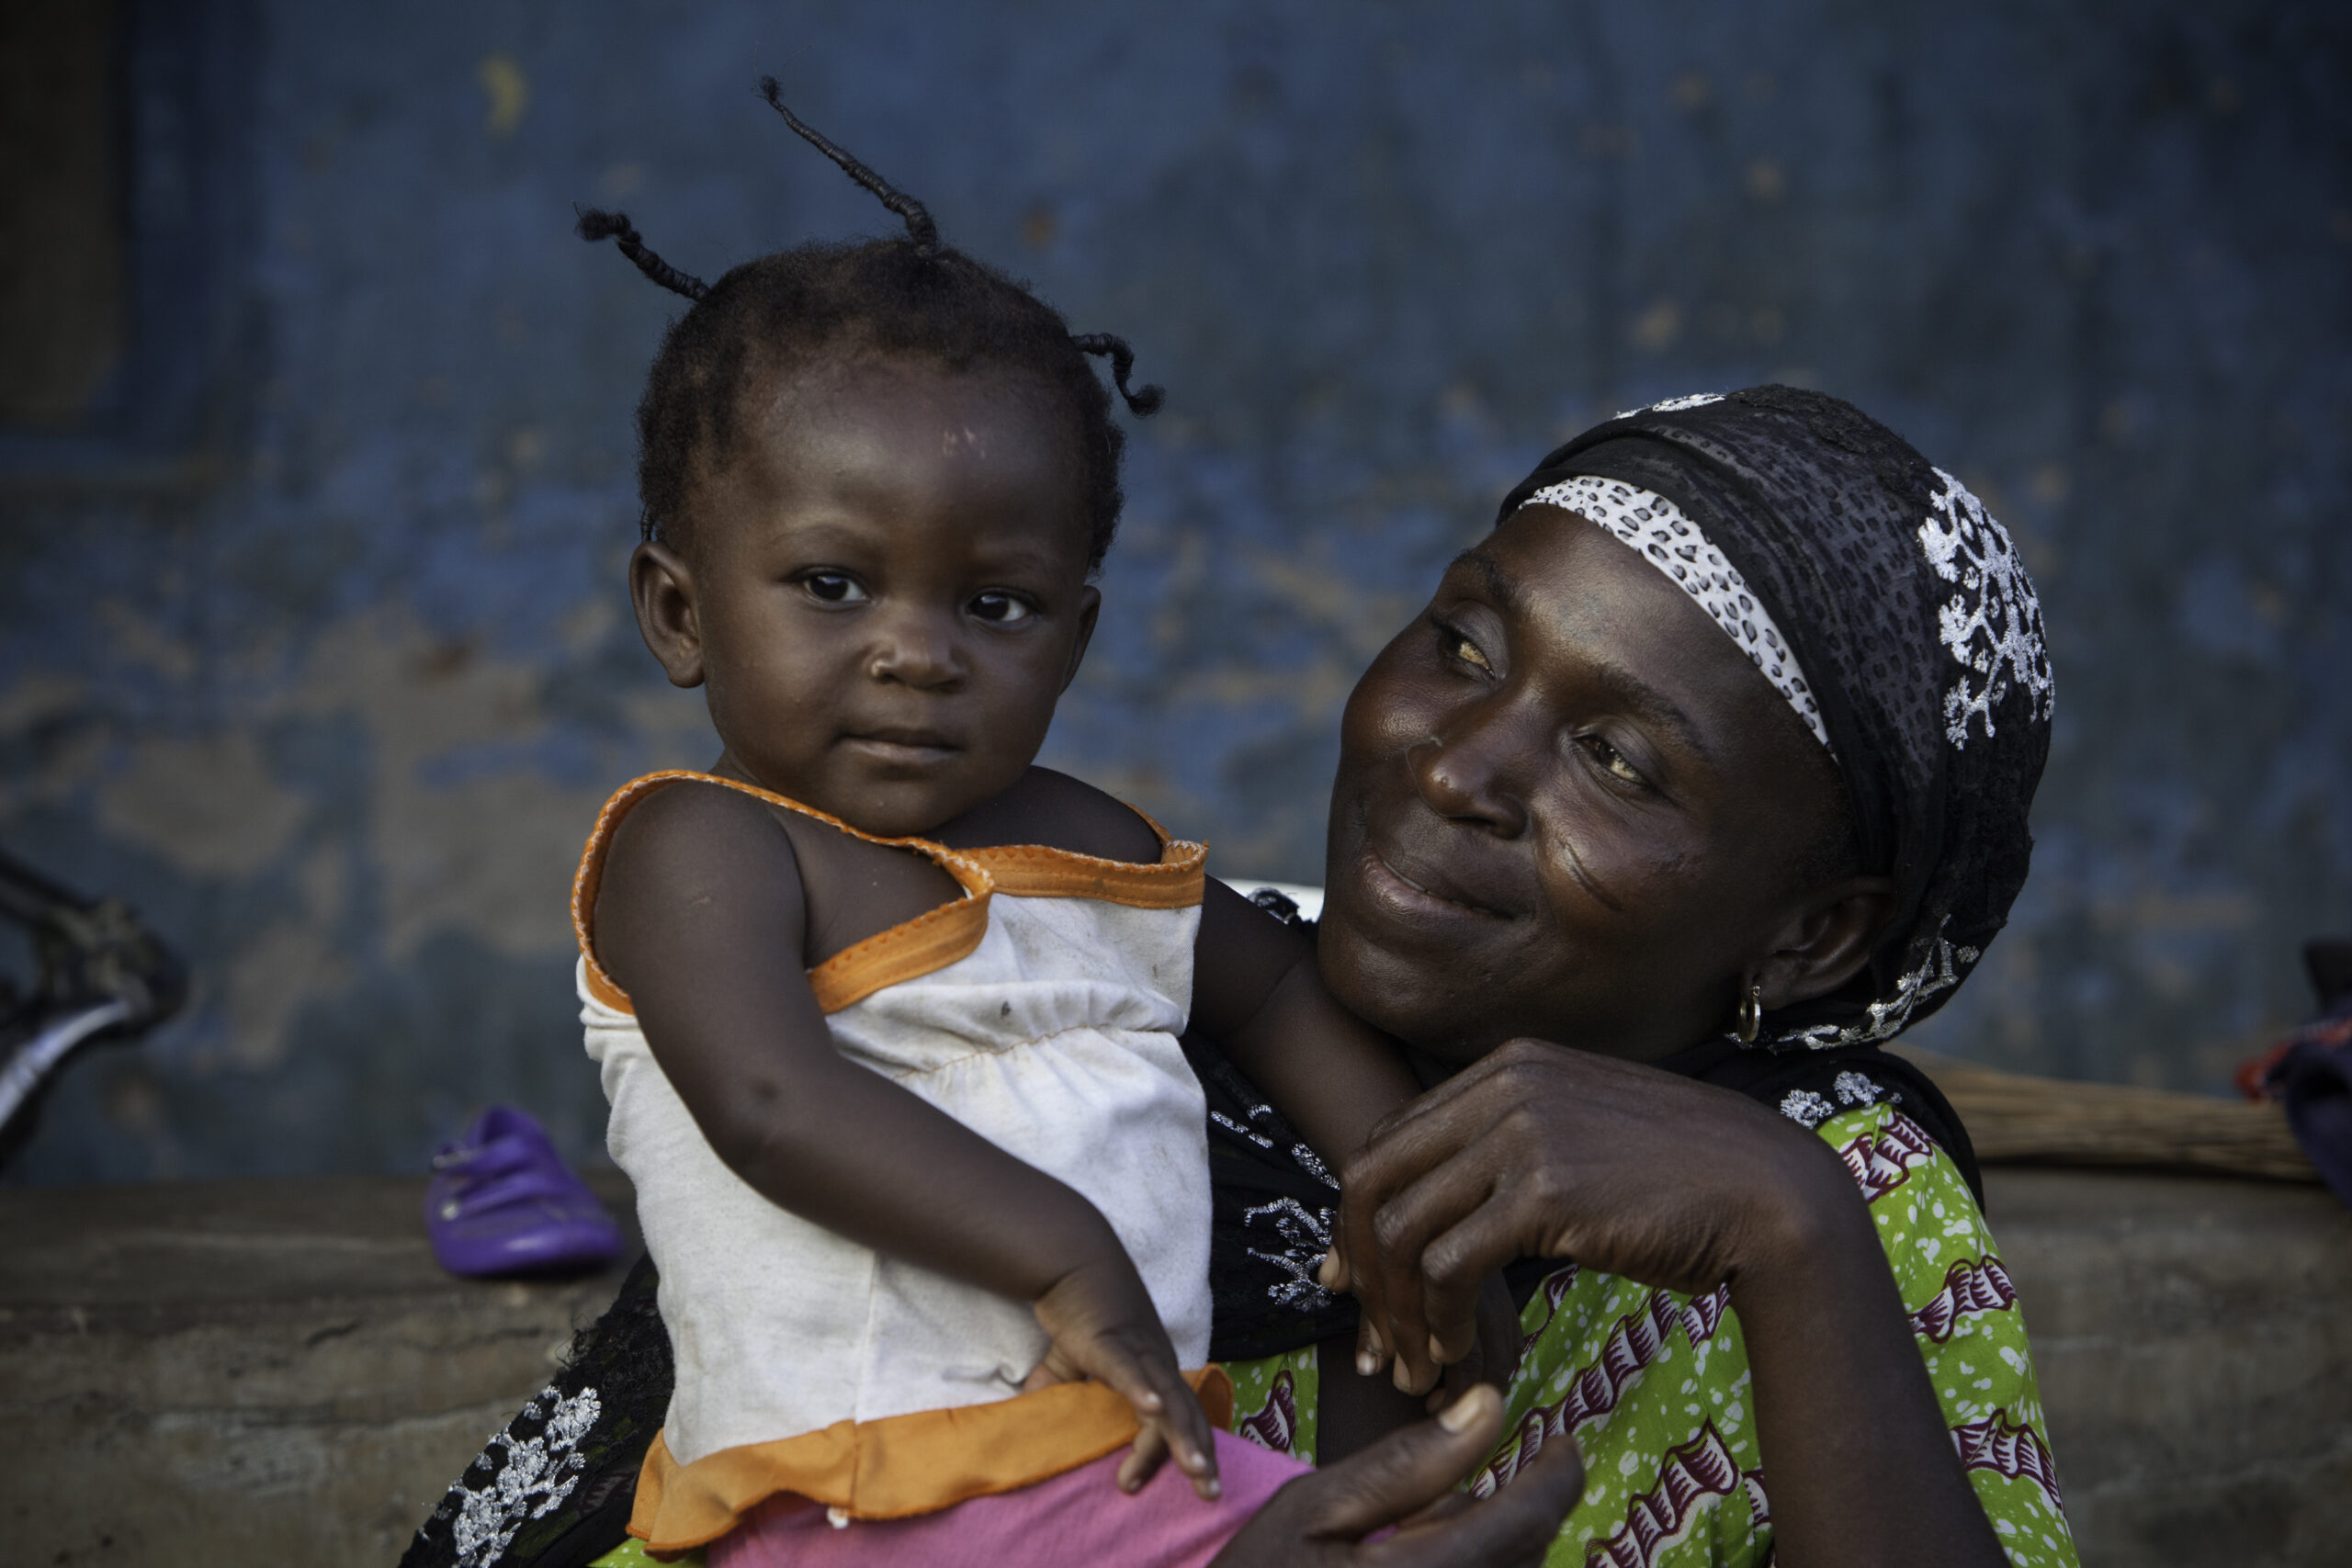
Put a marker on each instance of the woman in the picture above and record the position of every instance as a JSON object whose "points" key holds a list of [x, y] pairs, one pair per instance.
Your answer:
{"points": [[1712, 764], [1704, 775]]}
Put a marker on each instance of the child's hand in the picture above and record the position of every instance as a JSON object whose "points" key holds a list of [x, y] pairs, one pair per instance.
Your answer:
{"points": [[1104, 1327]]}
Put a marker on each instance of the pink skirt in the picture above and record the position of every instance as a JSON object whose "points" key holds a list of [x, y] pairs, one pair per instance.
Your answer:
{"points": [[1078, 1517]]}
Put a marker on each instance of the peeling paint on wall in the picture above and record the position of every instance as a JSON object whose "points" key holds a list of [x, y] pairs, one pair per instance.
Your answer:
{"points": [[333, 689]]}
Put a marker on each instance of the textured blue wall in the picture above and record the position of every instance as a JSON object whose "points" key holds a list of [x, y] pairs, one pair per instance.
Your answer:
{"points": [[329, 669]]}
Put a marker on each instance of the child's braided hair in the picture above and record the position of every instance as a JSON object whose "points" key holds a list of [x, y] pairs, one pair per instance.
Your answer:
{"points": [[913, 297]]}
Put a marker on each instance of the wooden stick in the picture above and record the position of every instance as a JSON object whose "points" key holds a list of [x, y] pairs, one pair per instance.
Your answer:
{"points": [[2017, 1120]]}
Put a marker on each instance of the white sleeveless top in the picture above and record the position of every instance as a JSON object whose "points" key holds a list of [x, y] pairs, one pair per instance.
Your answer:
{"points": [[1041, 1011]]}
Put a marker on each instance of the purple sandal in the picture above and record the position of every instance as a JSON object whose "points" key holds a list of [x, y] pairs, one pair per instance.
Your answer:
{"points": [[501, 1201]]}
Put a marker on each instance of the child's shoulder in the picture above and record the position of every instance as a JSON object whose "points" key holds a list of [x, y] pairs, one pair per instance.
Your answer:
{"points": [[1053, 808], [686, 825]]}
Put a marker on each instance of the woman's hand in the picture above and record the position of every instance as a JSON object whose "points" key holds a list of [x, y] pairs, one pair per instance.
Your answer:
{"points": [[1495, 1349], [1540, 1151], [1104, 1327], [1408, 1480]]}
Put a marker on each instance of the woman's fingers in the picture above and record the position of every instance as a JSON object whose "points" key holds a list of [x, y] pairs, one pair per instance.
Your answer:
{"points": [[1424, 1175], [1513, 1528], [1433, 1101], [1463, 1299], [1434, 1240], [1406, 1472], [1333, 1273], [1408, 1479]]}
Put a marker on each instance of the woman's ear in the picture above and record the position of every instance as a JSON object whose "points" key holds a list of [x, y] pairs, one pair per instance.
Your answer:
{"points": [[661, 586], [1826, 943]]}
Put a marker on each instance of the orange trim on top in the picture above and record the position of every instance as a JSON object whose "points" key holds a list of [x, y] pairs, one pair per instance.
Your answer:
{"points": [[899, 1466], [933, 940], [1039, 871]]}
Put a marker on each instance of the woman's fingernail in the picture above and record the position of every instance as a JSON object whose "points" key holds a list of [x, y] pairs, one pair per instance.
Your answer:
{"points": [[1210, 1488], [1437, 1351], [1458, 1415], [1328, 1275], [1366, 1363]]}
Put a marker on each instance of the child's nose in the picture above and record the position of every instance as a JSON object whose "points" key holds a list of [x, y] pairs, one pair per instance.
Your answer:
{"points": [[918, 650]]}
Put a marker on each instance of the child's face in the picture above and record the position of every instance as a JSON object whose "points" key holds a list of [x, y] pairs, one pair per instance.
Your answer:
{"points": [[885, 592]]}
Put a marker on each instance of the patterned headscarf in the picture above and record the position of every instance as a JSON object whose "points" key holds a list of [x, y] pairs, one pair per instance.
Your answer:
{"points": [[1892, 612]]}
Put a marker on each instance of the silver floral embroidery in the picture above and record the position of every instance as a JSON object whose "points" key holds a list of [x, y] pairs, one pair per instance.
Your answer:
{"points": [[1671, 405], [1306, 1237], [1944, 967], [1992, 624], [539, 1474], [1855, 1089], [1805, 1107], [1230, 1125]]}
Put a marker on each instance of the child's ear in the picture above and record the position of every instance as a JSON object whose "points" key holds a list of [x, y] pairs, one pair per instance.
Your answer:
{"points": [[663, 587], [1089, 609]]}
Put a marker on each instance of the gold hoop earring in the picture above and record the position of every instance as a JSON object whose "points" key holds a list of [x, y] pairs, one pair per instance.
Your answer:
{"points": [[1751, 1012]]}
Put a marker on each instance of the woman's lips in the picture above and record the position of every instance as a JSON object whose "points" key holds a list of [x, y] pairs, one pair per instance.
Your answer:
{"points": [[1419, 899]]}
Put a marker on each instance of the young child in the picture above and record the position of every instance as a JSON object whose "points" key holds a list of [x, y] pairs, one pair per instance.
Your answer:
{"points": [[888, 1015]]}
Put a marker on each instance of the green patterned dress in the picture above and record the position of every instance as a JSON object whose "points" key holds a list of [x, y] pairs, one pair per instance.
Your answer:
{"points": [[1654, 1384]]}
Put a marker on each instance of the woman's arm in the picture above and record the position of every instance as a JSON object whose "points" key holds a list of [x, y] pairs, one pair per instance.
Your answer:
{"points": [[1542, 1151], [700, 919]]}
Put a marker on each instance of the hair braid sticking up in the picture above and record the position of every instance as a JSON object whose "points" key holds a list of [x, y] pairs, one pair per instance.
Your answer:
{"points": [[920, 228], [595, 226], [1144, 401], [824, 303]]}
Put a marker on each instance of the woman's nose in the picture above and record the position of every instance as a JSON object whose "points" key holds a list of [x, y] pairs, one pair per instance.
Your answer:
{"points": [[918, 650], [1466, 772]]}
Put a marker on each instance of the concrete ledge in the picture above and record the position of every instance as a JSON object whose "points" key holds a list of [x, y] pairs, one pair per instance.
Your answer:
{"points": [[2194, 1337], [257, 1373], [236, 1374]]}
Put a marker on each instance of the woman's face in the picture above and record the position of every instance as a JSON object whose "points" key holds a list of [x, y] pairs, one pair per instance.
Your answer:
{"points": [[1567, 806]]}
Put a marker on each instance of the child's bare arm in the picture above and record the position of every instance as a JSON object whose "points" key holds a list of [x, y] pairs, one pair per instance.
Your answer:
{"points": [[1256, 992], [700, 919]]}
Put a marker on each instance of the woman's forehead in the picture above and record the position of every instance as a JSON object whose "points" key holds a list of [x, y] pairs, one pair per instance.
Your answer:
{"points": [[1588, 611]]}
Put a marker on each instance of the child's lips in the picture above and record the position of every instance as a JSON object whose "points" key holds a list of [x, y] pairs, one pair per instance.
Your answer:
{"points": [[904, 747]]}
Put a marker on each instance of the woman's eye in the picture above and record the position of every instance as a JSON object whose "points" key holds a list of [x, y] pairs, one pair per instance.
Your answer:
{"points": [[1002, 609], [1614, 760], [834, 588], [1459, 646]]}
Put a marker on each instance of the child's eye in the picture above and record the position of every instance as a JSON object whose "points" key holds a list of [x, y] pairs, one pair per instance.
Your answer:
{"points": [[1000, 608], [1614, 760], [834, 588]]}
